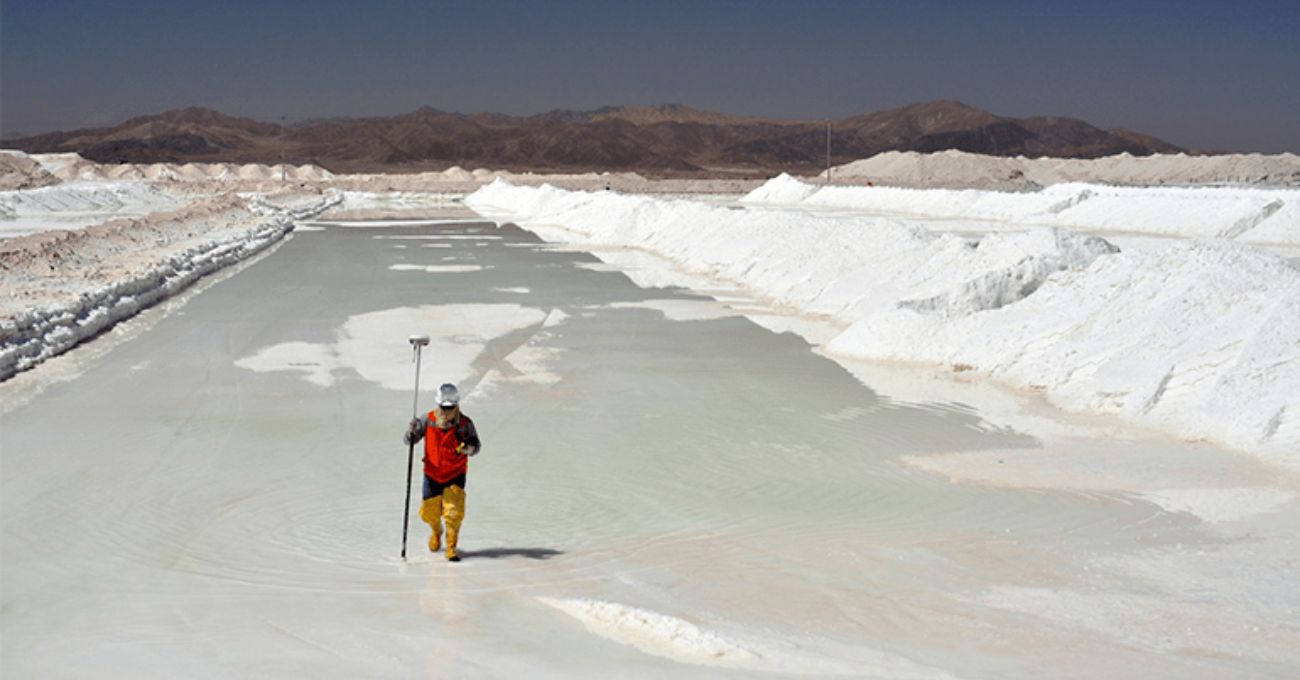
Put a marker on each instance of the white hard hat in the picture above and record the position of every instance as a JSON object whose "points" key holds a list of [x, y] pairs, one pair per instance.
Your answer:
{"points": [[448, 395]]}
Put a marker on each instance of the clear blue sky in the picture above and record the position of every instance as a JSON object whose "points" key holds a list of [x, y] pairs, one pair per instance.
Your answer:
{"points": [[1218, 75]]}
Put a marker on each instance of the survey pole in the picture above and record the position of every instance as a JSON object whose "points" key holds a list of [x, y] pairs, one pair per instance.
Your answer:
{"points": [[828, 151], [282, 173]]}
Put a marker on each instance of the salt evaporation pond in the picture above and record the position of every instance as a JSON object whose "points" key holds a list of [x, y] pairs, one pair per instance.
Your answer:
{"points": [[667, 488]]}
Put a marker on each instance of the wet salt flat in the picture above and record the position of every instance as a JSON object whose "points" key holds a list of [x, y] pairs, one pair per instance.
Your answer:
{"points": [[670, 484]]}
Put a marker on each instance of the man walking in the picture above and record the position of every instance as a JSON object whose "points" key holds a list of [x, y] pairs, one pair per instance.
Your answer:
{"points": [[449, 439]]}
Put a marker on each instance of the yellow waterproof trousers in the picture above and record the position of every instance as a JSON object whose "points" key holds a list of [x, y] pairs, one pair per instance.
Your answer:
{"points": [[449, 507]]}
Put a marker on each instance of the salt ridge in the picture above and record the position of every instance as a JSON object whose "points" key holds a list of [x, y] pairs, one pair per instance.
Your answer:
{"points": [[1198, 339], [45, 330], [675, 638], [1254, 215]]}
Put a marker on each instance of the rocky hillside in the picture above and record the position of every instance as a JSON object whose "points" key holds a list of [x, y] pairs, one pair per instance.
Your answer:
{"points": [[670, 139]]}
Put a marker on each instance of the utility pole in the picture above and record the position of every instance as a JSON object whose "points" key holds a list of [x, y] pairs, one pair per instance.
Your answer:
{"points": [[282, 168], [828, 151]]}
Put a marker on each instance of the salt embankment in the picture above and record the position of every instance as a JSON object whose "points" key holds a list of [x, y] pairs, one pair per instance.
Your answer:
{"points": [[959, 169], [1200, 338], [62, 287], [1250, 215]]}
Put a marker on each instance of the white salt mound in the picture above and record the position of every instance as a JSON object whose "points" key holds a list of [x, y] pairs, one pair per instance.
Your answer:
{"points": [[457, 174], [254, 171], [20, 171], [781, 189], [55, 162], [126, 171], [1198, 338], [192, 171], [959, 169]]}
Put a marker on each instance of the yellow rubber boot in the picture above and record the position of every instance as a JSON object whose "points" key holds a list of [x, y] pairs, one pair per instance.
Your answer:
{"points": [[431, 513], [453, 512]]}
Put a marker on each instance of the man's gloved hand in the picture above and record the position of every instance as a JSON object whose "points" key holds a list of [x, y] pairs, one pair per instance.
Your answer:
{"points": [[413, 431]]}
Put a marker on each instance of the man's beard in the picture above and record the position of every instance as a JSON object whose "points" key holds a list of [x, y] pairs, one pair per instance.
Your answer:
{"points": [[445, 417]]}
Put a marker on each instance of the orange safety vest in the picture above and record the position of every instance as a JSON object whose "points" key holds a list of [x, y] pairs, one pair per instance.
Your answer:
{"points": [[441, 461]]}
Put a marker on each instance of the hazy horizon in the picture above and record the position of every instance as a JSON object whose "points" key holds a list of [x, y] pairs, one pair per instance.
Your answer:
{"points": [[1200, 75]]}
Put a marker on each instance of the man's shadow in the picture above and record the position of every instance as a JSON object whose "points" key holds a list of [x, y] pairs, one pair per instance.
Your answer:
{"points": [[500, 553]]}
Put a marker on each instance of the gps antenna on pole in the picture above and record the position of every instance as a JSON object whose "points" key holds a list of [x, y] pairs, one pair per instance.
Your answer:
{"points": [[418, 342]]}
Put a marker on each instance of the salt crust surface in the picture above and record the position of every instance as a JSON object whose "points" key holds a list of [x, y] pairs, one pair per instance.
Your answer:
{"points": [[436, 268], [363, 344], [1200, 338], [1221, 505], [77, 204]]}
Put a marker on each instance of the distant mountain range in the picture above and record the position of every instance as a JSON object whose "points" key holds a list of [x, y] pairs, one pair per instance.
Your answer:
{"points": [[668, 139]]}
